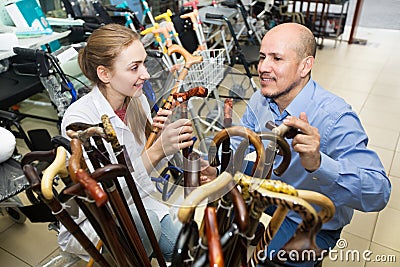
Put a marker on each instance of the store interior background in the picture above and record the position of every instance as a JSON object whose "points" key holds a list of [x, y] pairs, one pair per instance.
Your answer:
{"points": [[366, 76]]}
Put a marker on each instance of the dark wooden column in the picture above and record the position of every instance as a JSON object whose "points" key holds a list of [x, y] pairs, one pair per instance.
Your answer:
{"points": [[354, 25]]}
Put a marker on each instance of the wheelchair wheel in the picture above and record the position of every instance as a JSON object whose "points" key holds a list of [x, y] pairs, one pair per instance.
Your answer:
{"points": [[16, 215]]}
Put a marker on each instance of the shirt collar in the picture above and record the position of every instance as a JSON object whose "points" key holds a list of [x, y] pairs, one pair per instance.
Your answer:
{"points": [[298, 104]]}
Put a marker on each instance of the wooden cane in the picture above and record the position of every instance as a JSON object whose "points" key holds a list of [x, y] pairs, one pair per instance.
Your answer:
{"points": [[112, 188], [76, 162], [189, 61], [117, 244], [123, 158], [191, 160], [108, 177], [281, 145], [96, 133], [80, 126]]}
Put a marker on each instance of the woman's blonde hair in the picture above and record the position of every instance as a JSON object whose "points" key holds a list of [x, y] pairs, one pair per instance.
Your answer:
{"points": [[102, 48]]}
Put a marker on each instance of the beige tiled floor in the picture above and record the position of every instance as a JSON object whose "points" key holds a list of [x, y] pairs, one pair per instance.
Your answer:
{"points": [[368, 78]]}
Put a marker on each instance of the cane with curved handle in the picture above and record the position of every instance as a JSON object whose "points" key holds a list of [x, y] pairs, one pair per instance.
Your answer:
{"points": [[189, 61], [190, 203], [243, 132], [81, 126], [280, 145], [96, 154], [57, 167]]}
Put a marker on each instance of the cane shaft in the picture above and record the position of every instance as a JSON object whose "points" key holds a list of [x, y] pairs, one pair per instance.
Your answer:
{"points": [[123, 158], [214, 245], [108, 176]]}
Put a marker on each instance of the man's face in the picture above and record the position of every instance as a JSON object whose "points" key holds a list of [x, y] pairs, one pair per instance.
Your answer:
{"points": [[279, 66]]}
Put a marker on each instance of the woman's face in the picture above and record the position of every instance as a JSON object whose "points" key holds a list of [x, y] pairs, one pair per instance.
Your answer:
{"points": [[129, 72]]}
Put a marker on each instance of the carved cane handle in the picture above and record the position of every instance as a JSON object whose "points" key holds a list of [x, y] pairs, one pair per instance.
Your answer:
{"points": [[57, 167], [185, 96], [76, 161], [94, 189]]}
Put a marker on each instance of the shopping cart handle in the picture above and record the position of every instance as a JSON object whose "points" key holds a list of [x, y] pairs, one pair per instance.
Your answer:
{"points": [[214, 16], [27, 53]]}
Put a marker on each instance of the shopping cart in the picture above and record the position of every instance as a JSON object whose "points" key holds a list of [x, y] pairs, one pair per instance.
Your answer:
{"points": [[208, 73]]}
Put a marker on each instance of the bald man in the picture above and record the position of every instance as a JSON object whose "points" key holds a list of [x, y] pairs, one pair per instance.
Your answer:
{"points": [[330, 154]]}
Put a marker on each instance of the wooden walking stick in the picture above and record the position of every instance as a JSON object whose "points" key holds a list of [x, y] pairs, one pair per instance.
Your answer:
{"points": [[108, 177], [112, 187], [243, 132], [191, 160], [123, 158], [226, 151], [96, 133], [189, 61]]}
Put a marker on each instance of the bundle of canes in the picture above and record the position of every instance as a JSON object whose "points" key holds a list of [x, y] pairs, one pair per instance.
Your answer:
{"points": [[56, 167], [188, 237], [105, 131], [99, 215], [107, 176], [189, 61], [241, 215]]}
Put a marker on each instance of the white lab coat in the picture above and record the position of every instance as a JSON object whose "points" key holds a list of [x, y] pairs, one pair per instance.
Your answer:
{"points": [[89, 109]]}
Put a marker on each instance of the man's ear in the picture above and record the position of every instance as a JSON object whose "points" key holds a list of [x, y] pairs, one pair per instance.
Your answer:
{"points": [[306, 65], [103, 73]]}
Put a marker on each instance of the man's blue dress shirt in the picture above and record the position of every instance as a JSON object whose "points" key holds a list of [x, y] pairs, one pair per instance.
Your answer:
{"points": [[351, 175]]}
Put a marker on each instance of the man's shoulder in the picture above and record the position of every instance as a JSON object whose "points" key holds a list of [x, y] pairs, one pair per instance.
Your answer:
{"points": [[330, 102]]}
